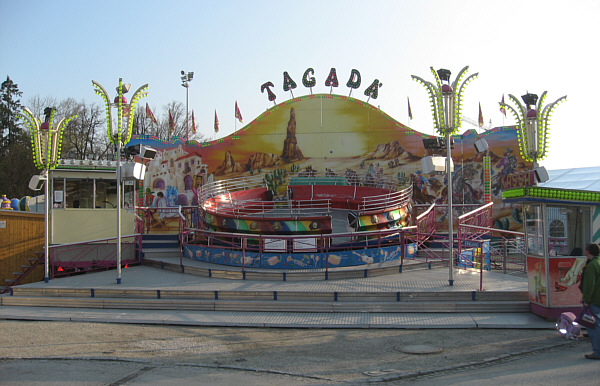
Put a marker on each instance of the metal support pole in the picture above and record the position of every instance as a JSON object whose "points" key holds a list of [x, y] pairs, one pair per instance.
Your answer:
{"points": [[187, 114], [46, 228], [450, 215], [118, 209]]}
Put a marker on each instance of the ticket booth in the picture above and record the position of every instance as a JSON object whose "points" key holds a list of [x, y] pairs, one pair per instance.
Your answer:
{"points": [[558, 223]]}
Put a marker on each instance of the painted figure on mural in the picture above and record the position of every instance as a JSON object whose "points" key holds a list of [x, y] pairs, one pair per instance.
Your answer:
{"points": [[508, 163], [161, 202], [149, 198]]}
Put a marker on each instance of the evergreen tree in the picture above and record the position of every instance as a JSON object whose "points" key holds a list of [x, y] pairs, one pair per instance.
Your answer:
{"points": [[16, 160], [10, 106]]}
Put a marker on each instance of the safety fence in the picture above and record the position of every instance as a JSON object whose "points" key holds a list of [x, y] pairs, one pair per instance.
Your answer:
{"points": [[93, 255]]}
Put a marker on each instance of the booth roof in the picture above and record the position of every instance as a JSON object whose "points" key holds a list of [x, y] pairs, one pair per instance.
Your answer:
{"points": [[587, 179]]}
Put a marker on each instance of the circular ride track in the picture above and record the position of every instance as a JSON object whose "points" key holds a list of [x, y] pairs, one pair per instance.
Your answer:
{"points": [[293, 221]]}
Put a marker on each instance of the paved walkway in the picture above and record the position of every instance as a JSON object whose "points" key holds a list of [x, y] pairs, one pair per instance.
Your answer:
{"points": [[142, 277]]}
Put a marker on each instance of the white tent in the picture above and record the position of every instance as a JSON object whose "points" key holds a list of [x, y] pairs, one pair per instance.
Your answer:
{"points": [[587, 179]]}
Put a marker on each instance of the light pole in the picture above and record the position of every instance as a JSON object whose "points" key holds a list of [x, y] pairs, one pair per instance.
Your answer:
{"points": [[46, 142], [185, 82], [446, 103], [534, 124], [120, 137]]}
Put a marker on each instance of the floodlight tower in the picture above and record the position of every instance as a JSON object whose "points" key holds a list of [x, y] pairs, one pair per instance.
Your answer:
{"points": [[446, 104], [120, 136], [533, 123], [185, 82], [46, 142]]}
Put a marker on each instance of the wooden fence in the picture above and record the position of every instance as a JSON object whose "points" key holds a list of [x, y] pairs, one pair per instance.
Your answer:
{"points": [[21, 236]]}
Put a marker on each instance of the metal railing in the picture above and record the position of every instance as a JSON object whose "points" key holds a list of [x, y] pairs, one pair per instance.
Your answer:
{"points": [[91, 255]]}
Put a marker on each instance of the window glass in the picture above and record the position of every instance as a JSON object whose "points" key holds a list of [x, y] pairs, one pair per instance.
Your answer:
{"points": [[568, 229], [129, 194], [535, 235], [106, 194], [58, 193], [79, 193]]}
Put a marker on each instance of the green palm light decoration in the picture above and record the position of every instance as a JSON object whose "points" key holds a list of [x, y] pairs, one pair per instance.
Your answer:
{"points": [[46, 138], [533, 123], [446, 106], [446, 99], [46, 144], [125, 111], [120, 137]]}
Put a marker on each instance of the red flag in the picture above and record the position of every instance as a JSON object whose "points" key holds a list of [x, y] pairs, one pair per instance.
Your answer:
{"points": [[480, 116], [171, 123], [216, 122], [238, 115], [149, 114], [193, 123], [409, 110], [502, 108]]}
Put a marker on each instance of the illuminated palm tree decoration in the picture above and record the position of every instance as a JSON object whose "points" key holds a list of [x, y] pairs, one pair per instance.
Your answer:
{"points": [[120, 137], [46, 139], [533, 127], [446, 105], [446, 98], [125, 111], [46, 143]]}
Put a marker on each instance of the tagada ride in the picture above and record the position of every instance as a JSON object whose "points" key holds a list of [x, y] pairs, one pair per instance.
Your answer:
{"points": [[305, 221]]}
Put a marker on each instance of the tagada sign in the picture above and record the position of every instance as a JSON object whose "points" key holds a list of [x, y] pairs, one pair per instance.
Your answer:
{"points": [[309, 81]]}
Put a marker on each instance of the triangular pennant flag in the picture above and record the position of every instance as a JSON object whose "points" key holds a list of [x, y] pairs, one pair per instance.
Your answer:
{"points": [[193, 123], [238, 115], [216, 122], [149, 114]]}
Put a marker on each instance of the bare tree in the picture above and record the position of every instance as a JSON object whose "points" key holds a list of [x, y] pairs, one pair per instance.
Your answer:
{"points": [[84, 137]]}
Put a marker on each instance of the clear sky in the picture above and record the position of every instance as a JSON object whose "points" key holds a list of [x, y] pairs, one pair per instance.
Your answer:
{"points": [[56, 48]]}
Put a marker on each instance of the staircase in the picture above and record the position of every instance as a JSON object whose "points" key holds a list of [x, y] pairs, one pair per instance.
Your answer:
{"points": [[272, 301], [34, 261], [160, 245]]}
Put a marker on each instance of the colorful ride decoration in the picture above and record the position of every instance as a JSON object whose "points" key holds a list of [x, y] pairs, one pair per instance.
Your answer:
{"points": [[441, 95], [287, 230], [533, 123], [125, 111], [46, 138]]}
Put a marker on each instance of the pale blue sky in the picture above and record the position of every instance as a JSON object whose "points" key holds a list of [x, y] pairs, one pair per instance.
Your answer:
{"points": [[56, 48]]}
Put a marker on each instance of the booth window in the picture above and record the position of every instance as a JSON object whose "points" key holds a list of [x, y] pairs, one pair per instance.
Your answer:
{"points": [[79, 193], [89, 193], [535, 229], [567, 227]]}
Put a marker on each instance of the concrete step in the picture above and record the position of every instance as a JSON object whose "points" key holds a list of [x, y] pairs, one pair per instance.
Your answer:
{"points": [[307, 296], [267, 305], [157, 253], [224, 272]]}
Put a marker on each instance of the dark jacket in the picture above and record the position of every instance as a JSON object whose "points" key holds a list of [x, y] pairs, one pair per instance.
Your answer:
{"points": [[591, 282]]}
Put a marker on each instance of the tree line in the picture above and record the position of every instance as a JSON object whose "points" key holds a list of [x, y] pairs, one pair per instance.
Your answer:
{"points": [[85, 137]]}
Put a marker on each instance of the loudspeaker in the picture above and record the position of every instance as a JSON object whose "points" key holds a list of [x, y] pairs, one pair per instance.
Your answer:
{"points": [[481, 145], [541, 174], [37, 182], [147, 152], [435, 164], [133, 171]]}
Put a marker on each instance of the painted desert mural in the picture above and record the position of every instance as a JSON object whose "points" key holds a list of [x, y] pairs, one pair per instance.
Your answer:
{"points": [[335, 135]]}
